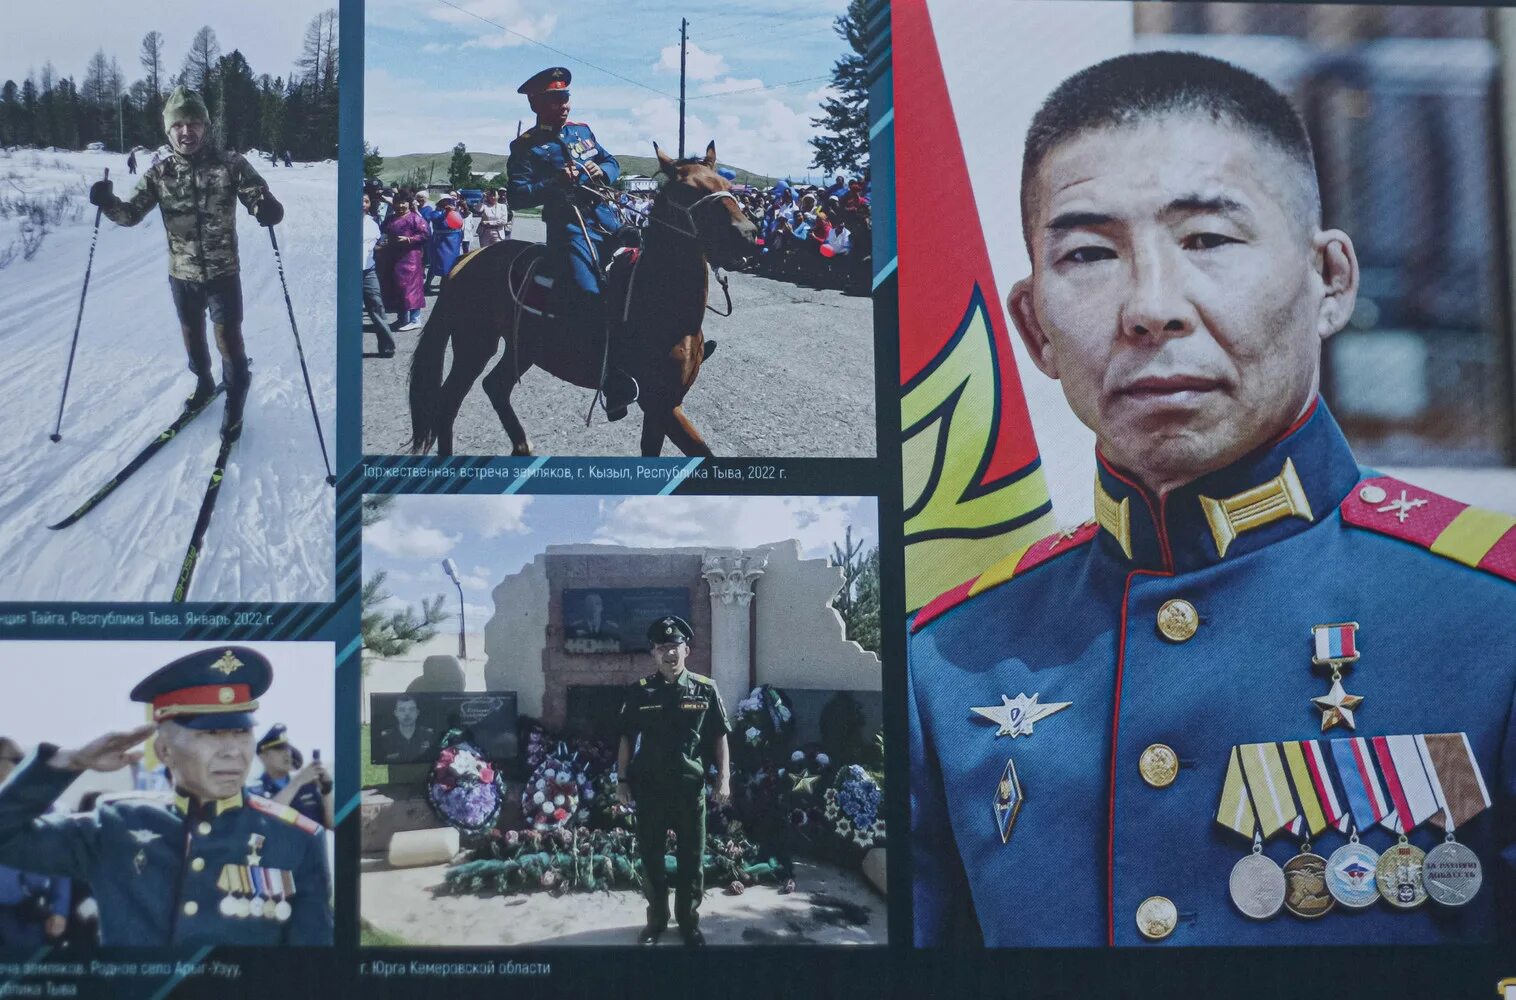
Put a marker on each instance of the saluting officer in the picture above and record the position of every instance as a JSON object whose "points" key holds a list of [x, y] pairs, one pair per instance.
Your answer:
{"points": [[208, 865], [554, 164], [1169, 726], [672, 722], [288, 781]]}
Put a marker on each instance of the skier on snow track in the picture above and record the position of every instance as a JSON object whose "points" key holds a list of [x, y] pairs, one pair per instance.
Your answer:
{"points": [[196, 189]]}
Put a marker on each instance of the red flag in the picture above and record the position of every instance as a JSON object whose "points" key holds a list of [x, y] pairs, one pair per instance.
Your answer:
{"points": [[974, 489]]}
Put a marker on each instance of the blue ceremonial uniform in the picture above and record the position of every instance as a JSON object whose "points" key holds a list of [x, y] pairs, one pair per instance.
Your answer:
{"points": [[537, 159], [307, 801], [1075, 619], [163, 868]]}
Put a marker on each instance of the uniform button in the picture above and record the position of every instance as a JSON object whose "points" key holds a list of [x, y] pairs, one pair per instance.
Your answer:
{"points": [[1156, 918], [203, 829], [197, 865], [1159, 765], [1372, 494], [1178, 620], [191, 908]]}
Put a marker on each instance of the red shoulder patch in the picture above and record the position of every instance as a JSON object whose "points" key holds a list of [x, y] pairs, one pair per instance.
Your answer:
{"points": [[286, 813], [1012, 565], [1479, 538]]}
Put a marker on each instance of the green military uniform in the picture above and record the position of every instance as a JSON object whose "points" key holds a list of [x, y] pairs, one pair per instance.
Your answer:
{"points": [[197, 195], [672, 725], [167, 869]]}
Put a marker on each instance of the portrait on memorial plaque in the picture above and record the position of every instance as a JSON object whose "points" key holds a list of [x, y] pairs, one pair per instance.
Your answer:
{"points": [[1203, 596], [634, 720]]}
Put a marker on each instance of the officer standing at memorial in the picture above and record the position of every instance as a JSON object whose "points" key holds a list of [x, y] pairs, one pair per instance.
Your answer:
{"points": [[1265, 696], [672, 723], [207, 865], [288, 781], [554, 164]]}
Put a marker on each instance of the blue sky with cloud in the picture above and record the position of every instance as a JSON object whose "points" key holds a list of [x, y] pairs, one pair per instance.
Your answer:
{"points": [[439, 73], [491, 537]]}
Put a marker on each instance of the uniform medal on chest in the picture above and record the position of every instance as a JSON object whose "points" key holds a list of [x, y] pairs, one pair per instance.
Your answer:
{"points": [[1451, 871], [1399, 875], [1014, 717], [1336, 647]]}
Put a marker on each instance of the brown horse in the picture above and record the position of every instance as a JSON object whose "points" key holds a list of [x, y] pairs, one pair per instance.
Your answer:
{"points": [[695, 222]]}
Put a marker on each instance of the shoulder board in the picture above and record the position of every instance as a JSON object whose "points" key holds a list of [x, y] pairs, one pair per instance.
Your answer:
{"points": [[1018, 562], [1483, 539], [286, 813], [642, 683], [701, 679], [528, 137]]}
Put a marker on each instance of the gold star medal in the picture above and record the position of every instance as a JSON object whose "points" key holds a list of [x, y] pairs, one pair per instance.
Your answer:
{"points": [[1336, 647]]}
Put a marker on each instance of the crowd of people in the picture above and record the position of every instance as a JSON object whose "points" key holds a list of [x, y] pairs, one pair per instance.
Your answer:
{"points": [[409, 243], [821, 235]]}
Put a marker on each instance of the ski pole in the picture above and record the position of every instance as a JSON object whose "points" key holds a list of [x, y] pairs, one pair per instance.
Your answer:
{"points": [[57, 435], [331, 480]]}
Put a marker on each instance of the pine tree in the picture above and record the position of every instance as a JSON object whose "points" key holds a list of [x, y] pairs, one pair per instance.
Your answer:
{"points": [[150, 55], [392, 633], [843, 145], [460, 172], [10, 114], [200, 62], [241, 108], [857, 602], [373, 163]]}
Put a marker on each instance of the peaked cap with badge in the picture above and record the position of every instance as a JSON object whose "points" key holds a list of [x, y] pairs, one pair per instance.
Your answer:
{"points": [[166, 869], [1152, 730]]}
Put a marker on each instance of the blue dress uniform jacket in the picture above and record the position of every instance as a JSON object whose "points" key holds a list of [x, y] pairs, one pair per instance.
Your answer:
{"points": [[307, 801], [538, 157], [154, 862], [1074, 619]]}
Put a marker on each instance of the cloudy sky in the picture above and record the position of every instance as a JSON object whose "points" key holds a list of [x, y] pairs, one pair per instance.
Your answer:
{"points": [[101, 675], [69, 31], [438, 73], [490, 537]]}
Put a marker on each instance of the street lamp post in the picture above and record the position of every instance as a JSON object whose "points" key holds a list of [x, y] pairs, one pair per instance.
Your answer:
{"points": [[451, 569]]}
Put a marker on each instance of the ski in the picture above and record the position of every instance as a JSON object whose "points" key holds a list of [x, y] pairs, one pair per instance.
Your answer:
{"points": [[208, 504], [146, 453]]}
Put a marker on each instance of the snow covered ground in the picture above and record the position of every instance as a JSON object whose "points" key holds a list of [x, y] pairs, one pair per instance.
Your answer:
{"points": [[271, 538]]}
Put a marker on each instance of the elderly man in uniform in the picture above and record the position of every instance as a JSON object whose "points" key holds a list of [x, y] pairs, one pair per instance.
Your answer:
{"points": [[555, 164], [672, 723], [288, 781], [209, 865], [196, 188], [1217, 701]]}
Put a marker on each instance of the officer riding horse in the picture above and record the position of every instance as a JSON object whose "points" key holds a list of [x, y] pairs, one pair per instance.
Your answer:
{"points": [[634, 336]]}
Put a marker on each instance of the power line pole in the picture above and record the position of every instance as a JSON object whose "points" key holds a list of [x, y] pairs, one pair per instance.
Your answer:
{"points": [[684, 26]]}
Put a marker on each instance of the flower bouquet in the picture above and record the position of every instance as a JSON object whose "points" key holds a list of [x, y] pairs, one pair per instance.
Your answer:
{"points": [[463, 787], [851, 809], [763, 722], [551, 798]]}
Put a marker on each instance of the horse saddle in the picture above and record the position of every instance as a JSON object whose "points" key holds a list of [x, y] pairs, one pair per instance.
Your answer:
{"points": [[531, 276]]}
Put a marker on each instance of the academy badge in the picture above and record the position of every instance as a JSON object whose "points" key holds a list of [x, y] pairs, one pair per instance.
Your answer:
{"points": [[1008, 799]]}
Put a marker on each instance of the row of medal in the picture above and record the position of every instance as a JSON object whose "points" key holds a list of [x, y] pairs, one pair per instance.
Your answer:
{"points": [[255, 891], [1294, 786]]}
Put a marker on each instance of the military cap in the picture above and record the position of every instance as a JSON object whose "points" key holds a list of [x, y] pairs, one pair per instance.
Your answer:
{"points": [[216, 688], [669, 628], [184, 105], [275, 737], [553, 80]]}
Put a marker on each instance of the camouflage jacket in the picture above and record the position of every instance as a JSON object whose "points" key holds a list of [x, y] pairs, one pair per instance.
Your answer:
{"points": [[196, 196]]}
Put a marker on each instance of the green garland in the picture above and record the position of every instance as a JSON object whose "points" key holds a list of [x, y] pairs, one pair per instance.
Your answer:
{"points": [[593, 860]]}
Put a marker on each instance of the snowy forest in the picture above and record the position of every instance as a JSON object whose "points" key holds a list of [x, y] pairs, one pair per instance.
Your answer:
{"points": [[250, 110]]}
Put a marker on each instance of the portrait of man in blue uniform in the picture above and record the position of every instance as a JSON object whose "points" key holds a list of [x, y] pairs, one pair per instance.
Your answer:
{"points": [[558, 164], [206, 864], [1265, 696]]}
